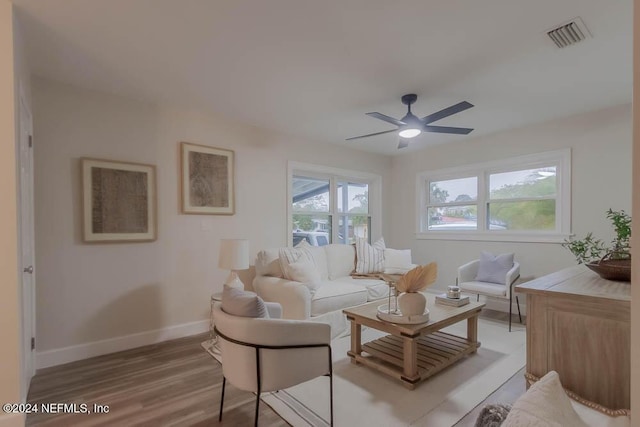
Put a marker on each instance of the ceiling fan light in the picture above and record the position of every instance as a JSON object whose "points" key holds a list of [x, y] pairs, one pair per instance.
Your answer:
{"points": [[410, 132]]}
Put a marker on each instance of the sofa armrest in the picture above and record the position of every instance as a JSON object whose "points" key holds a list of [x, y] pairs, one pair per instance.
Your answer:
{"points": [[468, 271], [294, 297]]}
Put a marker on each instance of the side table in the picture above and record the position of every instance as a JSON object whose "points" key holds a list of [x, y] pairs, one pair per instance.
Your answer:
{"points": [[215, 345]]}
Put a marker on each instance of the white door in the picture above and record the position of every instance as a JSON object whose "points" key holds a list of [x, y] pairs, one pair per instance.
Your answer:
{"points": [[27, 264]]}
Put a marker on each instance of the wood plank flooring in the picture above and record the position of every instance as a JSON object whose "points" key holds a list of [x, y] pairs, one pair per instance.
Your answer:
{"points": [[175, 383]]}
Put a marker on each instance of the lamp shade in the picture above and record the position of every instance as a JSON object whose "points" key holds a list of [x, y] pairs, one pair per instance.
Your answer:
{"points": [[234, 254]]}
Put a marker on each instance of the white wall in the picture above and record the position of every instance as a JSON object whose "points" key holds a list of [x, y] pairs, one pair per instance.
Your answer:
{"points": [[10, 363], [93, 292], [635, 273], [601, 177]]}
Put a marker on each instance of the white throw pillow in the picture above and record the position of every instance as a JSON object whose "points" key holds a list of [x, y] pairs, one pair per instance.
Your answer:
{"points": [[544, 404], [319, 257], [304, 272], [289, 256], [494, 268], [369, 258], [397, 261], [243, 303]]}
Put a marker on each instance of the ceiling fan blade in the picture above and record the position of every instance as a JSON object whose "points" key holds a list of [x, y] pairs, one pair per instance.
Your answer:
{"points": [[387, 119], [445, 129], [461, 106], [371, 134], [403, 143]]}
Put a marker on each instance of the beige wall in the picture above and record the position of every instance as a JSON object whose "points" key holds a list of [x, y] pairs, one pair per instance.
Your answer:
{"points": [[601, 177], [91, 292], [635, 274], [9, 302]]}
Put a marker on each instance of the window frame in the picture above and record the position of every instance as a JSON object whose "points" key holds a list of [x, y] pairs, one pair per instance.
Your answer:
{"points": [[561, 159], [335, 175]]}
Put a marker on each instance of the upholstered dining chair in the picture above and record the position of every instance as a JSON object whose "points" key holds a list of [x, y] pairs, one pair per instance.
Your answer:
{"points": [[269, 354], [468, 282]]}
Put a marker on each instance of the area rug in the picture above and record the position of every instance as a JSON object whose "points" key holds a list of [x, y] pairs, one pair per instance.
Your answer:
{"points": [[363, 396]]}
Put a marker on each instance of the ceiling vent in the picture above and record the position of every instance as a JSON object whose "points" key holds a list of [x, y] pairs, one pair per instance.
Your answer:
{"points": [[569, 33]]}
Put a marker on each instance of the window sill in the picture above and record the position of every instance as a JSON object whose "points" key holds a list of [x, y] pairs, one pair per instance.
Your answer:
{"points": [[493, 236]]}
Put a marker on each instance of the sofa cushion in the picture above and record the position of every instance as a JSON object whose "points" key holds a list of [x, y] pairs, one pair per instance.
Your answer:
{"points": [[494, 268], [397, 261], [304, 272], [319, 257], [369, 258], [341, 260], [595, 418], [376, 289], [243, 303], [268, 263], [336, 295]]}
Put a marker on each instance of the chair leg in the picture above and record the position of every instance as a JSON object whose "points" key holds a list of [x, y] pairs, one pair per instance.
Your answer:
{"points": [[257, 408], [331, 387], [518, 304], [478, 297], [224, 382], [510, 309]]}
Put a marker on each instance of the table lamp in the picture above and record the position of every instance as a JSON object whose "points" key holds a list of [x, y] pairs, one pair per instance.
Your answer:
{"points": [[234, 255]]}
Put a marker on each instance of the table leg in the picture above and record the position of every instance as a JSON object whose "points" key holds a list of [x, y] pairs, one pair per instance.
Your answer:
{"points": [[472, 330], [356, 341], [410, 355]]}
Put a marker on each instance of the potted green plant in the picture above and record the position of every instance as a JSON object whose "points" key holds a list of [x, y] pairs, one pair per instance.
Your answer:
{"points": [[610, 262]]}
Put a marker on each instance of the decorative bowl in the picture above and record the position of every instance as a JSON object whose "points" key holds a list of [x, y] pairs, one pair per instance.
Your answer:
{"points": [[612, 269]]}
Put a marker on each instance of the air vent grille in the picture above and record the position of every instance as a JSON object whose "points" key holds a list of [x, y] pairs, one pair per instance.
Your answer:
{"points": [[569, 33]]}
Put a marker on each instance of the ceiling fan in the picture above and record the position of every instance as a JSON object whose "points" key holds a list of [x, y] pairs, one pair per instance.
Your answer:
{"points": [[411, 126]]}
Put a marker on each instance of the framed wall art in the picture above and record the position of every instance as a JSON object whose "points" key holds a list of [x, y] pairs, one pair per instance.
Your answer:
{"points": [[207, 180], [119, 201]]}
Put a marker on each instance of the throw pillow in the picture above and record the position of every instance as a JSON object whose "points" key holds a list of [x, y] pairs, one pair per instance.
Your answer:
{"points": [[494, 269], [397, 261], [243, 303], [544, 404], [369, 258], [289, 256], [319, 257], [304, 272]]}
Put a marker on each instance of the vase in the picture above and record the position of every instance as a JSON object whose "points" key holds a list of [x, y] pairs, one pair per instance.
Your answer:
{"points": [[412, 303]]}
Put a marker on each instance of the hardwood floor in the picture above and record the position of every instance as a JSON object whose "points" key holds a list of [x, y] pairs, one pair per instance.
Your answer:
{"points": [[175, 383]]}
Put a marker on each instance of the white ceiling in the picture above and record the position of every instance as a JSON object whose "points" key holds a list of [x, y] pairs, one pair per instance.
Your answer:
{"points": [[313, 68]]}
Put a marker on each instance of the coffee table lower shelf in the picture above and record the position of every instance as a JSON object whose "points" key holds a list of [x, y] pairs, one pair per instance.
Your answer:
{"points": [[435, 352]]}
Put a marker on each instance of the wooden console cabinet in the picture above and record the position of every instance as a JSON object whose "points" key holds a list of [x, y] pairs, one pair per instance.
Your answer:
{"points": [[578, 324]]}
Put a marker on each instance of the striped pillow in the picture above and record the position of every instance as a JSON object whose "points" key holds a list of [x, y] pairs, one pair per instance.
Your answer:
{"points": [[369, 258]]}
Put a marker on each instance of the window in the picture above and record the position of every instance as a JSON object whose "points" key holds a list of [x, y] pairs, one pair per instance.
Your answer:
{"points": [[520, 199], [329, 205]]}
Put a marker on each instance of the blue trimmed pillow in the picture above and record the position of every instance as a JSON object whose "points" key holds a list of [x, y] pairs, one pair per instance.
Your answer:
{"points": [[494, 268], [243, 303]]}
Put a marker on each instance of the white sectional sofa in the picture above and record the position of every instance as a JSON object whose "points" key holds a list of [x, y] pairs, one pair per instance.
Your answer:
{"points": [[325, 300]]}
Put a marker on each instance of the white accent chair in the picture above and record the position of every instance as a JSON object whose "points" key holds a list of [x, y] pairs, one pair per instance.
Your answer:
{"points": [[272, 354], [467, 282]]}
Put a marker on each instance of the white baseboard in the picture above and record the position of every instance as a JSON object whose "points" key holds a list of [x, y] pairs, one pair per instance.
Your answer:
{"points": [[12, 420], [72, 353]]}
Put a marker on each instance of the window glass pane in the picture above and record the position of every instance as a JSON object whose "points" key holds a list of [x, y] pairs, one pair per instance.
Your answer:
{"points": [[310, 194], [526, 215], [453, 190], [540, 182], [352, 226], [353, 197], [453, 218], [314, 228]]}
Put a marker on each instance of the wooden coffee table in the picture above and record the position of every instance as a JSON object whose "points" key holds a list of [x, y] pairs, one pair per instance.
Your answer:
{"points": [[413, 353]]}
